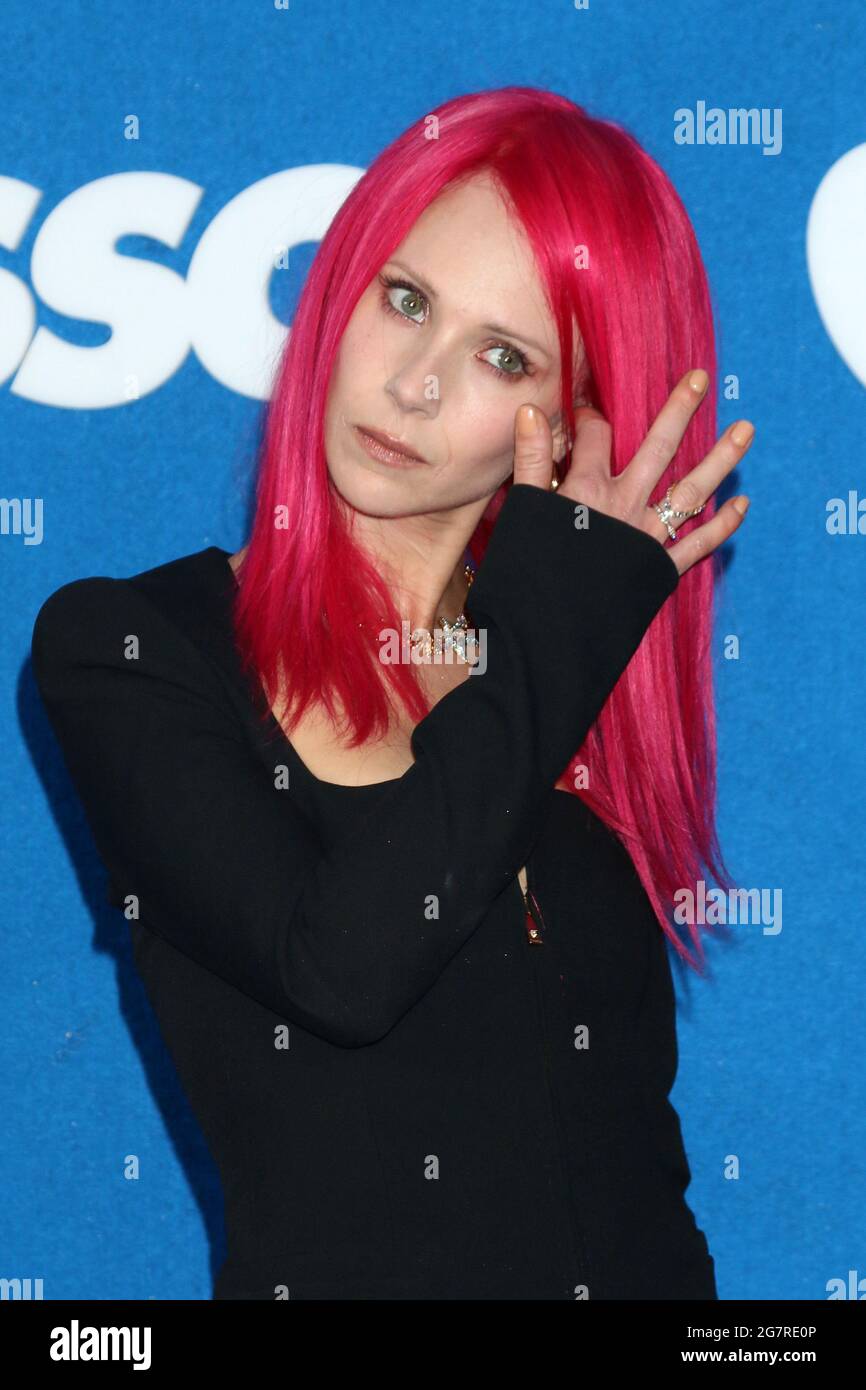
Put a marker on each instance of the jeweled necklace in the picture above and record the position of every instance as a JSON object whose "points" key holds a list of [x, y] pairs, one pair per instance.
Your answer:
{"points": [[456, 637]]}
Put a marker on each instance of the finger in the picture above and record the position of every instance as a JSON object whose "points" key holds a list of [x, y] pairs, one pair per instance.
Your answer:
{"points": [[707, 538], [593, 434], [533, 447], [665, 433], [697, 487]]}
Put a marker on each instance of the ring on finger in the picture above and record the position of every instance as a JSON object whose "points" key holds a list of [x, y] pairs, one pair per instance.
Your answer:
{"points": [[668, 512]]}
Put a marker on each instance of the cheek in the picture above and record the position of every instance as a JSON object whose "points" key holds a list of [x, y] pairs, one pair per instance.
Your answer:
{"points": [[359, 359], [479, 429], [351, 366], [365, 338]]}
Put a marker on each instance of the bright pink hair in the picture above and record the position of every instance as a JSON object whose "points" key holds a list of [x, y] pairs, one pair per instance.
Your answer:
{"points": [[644, 312]]}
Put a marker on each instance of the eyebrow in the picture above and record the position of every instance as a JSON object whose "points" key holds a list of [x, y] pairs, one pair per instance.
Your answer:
{"points": [[488, 327]]}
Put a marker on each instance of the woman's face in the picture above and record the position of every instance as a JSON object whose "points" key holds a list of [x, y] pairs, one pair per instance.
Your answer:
{"points": [[441, 361]]}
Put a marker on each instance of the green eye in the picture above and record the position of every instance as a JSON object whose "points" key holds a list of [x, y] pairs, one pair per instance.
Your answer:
{"points": [[511, 362], [403, 299]]}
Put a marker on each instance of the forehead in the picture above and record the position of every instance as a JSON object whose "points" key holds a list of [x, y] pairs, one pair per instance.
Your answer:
{"points": [[475, 254]]}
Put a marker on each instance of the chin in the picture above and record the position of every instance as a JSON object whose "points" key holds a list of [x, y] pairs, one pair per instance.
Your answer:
{"points": [[376, 495]]}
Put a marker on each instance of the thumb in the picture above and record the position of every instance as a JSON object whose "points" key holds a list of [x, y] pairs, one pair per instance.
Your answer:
{"points": [[533, 447]]}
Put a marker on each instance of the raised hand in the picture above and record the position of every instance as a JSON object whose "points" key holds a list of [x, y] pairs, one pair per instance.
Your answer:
{"points": [[626, 496]]}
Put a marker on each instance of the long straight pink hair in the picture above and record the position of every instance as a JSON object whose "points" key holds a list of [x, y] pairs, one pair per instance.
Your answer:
{"points": [[641, 300]]}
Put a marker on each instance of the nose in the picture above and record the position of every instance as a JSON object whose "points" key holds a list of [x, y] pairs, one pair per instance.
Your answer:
{"points": [[416, 385], [413, 393]]}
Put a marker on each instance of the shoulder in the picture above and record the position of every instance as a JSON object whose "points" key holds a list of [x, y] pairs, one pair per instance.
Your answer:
{"points": [[90, 622]]}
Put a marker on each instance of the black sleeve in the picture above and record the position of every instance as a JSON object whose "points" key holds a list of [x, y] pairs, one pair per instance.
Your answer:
{"points": [[225, 868]]}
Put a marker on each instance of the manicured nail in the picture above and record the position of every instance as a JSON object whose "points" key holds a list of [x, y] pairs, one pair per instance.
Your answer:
{"points": [[699, 381], [742, 433], [741, 504], [528, 420]]}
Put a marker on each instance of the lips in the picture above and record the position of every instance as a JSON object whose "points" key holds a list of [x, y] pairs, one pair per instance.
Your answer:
{"points": [[389, 442]]}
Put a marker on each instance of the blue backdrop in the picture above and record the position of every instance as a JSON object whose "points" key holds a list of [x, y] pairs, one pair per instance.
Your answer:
{"points": [[148, 155]]}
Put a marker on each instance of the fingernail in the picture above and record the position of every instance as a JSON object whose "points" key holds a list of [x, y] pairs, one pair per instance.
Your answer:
{"points": [[699, 381], [528, 420], [742, 433], [741, 504]]}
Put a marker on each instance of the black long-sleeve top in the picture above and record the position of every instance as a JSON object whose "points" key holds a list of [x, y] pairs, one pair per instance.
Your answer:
{"points": [[407, 1093]]}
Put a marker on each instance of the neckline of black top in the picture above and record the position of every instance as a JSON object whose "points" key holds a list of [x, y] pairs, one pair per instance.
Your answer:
{"points": [[224, 556]]}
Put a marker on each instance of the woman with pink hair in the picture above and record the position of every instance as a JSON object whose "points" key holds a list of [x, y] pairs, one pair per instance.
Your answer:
{"points": [[402, 907]]}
